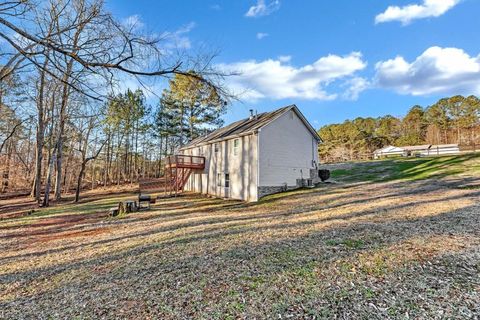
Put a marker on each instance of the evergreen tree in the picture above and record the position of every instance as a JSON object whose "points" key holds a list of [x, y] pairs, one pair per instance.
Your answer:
{"points": [[197, 105], [414, 127]]}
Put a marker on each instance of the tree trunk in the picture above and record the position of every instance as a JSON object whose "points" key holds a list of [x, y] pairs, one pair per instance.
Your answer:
{"points": [[63, 110], [93, 176], [107, 162], [40, 136], [46, 198], [61, 129], [6, 172], [135, 165], [85, 160], [160, 158], [79, 181], [29, 149]]}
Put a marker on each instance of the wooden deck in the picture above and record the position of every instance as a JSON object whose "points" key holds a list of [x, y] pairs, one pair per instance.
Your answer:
{"points": [[185, 161]]}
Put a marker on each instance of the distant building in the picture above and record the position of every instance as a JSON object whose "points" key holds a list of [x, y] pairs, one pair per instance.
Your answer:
{"points": [[260, 155], [388, 151], [420, 150]]}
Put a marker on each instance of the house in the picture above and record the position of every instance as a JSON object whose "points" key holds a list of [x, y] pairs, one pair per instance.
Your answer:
{"points": [[388, 151], [421, 150], [260, 155]]}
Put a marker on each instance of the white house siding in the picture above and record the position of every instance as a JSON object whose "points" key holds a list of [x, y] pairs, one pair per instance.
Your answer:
{"points": [[242, 169], [287, 150]]}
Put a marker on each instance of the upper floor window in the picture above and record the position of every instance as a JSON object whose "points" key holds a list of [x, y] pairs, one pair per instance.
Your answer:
{"points": [[215, 147], [236, 145]]}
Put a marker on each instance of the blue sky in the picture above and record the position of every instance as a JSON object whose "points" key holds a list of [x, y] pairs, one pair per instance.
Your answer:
{"points": [[334, 59]]}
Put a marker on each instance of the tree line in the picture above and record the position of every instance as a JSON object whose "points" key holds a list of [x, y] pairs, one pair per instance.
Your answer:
{"points": [[65, 122], [453, 119]]}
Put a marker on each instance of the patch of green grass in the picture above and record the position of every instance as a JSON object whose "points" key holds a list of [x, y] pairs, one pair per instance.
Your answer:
{"points": [[410, 306], [253, 282], [306, 271], [283, 257], [349, 243], [353, 244], [368, 293], [346, 267], [331, 242], [340, 173], [410, 169], [376, 266], [392, 311], [75, 208], [470, 187]]}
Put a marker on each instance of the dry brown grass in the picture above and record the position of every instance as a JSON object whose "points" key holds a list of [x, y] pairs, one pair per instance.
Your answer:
{"points": [[378, 250]]}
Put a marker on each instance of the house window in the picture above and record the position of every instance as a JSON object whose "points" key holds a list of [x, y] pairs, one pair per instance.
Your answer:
{"points": [[236, 144], [219, 179], [215, 147], [227, 180]]}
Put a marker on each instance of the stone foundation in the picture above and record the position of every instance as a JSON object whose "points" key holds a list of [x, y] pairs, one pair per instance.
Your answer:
{"points": [[265, 191]]}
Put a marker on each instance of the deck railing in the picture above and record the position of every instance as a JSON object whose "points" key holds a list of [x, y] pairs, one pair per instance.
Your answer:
{"points": [[186, 161]]}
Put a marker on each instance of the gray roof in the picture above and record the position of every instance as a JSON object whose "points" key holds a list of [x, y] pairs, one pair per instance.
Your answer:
{"points": [[248, 126], [393, 149]]}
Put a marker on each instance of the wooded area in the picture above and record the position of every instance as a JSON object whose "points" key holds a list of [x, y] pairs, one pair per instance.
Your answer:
{"points": [[67, 120], [450, 120]]}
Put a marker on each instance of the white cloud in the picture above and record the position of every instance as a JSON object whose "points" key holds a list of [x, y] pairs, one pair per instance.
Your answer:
{"points": [[172, 40], [355, 86], [284, 58], [134, 22], [274, 79], [262, 9], [435, 71], [429, 8], [178, 39], [216, 7], [261, 35]]}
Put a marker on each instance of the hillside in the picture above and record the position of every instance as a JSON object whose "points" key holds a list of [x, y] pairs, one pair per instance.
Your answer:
{"points": [[465, 169], [388, 239]]}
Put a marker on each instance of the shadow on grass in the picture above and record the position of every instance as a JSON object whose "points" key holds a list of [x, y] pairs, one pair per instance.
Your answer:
{"points": [[196, 206], [251, 261], [239, 224]]}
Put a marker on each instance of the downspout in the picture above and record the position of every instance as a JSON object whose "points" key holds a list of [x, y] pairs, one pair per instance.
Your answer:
{"points": [[258, 160], [313, 152]]}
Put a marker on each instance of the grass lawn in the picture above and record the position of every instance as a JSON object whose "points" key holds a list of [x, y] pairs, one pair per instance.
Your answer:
{"points": [[392, 239], [410, 169]]}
